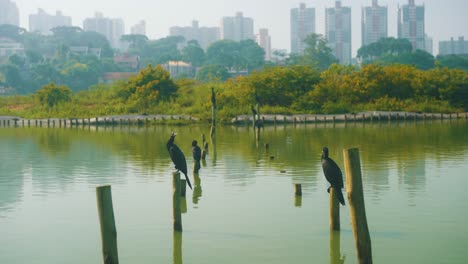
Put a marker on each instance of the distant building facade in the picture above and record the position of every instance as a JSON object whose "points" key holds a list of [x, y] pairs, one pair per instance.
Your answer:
{"points": [[302, 24], [10, 47], [338, 31], [453, 47], [237, 28], [9, 13], [203, 35], [112, 29], [179, 68], [139, 29], [43, 22], [374, 23], [411, 24], [264, 41]]}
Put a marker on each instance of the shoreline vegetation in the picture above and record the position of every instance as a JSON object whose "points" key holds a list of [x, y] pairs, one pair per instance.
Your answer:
{"points": [[293, 92]]}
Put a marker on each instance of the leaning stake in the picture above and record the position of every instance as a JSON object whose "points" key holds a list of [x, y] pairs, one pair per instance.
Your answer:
{"points": [[356, 205]]}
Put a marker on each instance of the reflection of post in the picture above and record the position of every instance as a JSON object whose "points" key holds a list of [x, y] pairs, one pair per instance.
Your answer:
{"points": [[177, 217], [197, 189], [183, 205], [177, 247], [335, 253], [356, 205], [107, 223], [334, 210], [196, 166], [297, 195], [183, 187], [213, 142]]}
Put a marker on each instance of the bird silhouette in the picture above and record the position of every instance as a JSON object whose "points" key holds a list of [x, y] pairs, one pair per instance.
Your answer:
{"points": [[333, 175], [196, 151], [177, 157]]}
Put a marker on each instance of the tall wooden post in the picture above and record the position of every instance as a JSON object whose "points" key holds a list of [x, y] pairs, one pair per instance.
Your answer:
{"points": [[176, 212], [213, 113], [183, 187], [107, 222], [334, 211], [335, 253], [356, 205]]}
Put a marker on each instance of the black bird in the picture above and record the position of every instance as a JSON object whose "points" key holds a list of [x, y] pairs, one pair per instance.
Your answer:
{"points": [[332, 174], [178, 157], [196, 151]]}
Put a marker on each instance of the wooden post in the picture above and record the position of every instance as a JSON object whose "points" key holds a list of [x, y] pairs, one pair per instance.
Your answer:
{"points": [[107, 222], [176, 212], [298, 189], [183, 187], [177, 248], [356, 205], [334, 210], [213, 113], [335, 245]]}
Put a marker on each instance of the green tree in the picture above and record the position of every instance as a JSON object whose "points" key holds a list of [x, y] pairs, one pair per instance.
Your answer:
{"points": [[212, 73], [151, 85], [51, 95], [193, 53], [316, 54], [453, 61]]}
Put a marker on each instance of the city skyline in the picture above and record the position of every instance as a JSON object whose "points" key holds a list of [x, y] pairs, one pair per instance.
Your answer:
{"points": [[444, 19]]}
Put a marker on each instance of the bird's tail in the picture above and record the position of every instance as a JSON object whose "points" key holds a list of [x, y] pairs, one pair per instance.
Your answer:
{"points": [[188, 181], [340, 196]]}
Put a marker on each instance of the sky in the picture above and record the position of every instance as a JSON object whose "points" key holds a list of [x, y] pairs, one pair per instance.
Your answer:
{"points": [[444, 18]]}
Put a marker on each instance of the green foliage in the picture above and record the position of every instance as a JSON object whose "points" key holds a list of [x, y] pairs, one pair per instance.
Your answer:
{"points": [[241, 55], [385, 46], [151, 85], [453, 61], [51, 95], [193, 53], [317, 53], [212, 73]]}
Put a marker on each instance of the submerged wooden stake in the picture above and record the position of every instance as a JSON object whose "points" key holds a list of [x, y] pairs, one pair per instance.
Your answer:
{"points": [[176, 212], [356, 205], [107, 222], [334, 210]]}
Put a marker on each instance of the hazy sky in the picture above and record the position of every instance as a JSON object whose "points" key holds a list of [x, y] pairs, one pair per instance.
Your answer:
{"points": [[444, 18]]}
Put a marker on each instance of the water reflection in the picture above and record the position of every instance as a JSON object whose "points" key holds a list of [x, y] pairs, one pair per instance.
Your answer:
{"points": [[197, 188], [177, 248]]}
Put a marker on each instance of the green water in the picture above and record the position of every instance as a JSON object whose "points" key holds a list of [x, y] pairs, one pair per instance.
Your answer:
{"points": [[242, 209]]}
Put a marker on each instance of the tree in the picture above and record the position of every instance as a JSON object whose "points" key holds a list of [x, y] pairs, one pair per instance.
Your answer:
{"points": [[12, 32], [193, 53], [51, 95], [316, 54], [252, 56], [151, 85], [384, 47], [453, 61], [212, 73], [136, 41], [241, 55]]}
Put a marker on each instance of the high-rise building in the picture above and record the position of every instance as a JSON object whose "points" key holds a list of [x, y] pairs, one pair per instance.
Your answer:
{"points": [[455, 47], [237, 28], [302, 25], [112, 29], [338, 31], [374, 23], [411, 24], [139, 29], [43, 22], [264, 40], [203, 35], [9, 13]]}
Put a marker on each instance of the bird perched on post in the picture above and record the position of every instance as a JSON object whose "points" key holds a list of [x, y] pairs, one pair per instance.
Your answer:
{"points": [[196, 151], [333, 175], [177, 157]]}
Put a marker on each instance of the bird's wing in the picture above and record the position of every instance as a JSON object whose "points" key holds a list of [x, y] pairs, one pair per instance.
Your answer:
{"points": [[178, 158], [332, 172]]}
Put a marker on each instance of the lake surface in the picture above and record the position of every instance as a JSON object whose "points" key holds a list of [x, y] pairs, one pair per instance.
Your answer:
{"points": [[243, 208]]}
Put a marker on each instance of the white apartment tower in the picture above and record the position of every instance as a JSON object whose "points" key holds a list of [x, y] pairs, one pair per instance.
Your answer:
{"points": [[112, 29], [43, 22], [338, 31], [411, 24], [302, 25], [9, 13], [237, 28], [203, 35], [374, 23], [264, 41], [139, 29]]}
